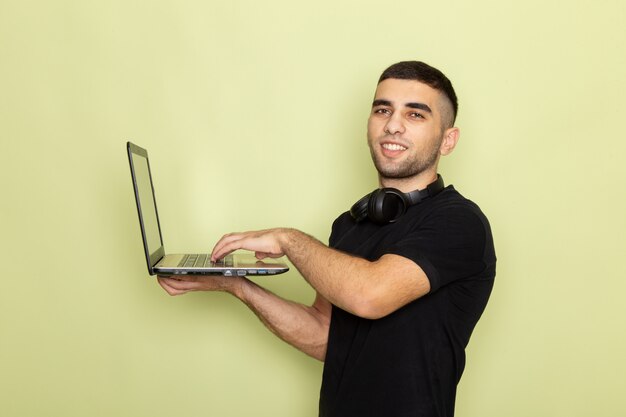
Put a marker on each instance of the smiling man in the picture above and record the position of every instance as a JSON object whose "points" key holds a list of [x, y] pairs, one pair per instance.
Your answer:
{"points": [[405, 277]]}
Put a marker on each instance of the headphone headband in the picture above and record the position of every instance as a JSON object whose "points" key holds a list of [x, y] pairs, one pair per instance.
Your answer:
{"points": [[431, 190]]}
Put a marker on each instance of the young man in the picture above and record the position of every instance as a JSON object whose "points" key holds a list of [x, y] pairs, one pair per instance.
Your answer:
{"points": [[405, 277]]}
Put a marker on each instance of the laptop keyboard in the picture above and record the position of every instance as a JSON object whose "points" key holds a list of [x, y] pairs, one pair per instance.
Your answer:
{"points": [[203, 261]]}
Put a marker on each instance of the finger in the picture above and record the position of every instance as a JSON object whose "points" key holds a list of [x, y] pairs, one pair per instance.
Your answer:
{"points": [[225, 240], [263, 255], [179, 284], [226, 246], [220, 251], [166, 285], [178, 278], [260, 255]]}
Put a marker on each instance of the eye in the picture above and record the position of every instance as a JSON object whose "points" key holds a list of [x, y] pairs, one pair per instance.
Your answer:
{"points": [[416, 115], [382, 110]]}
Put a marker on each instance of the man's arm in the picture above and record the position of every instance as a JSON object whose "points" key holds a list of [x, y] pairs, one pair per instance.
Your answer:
{"points": [[304, 327], [366, 289]]}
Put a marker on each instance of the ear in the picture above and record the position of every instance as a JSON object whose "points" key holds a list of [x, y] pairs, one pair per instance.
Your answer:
{"points": [[449, 141]]}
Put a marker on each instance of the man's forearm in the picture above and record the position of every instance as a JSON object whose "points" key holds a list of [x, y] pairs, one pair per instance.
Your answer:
{"points": [[339, 277], [304, 327], [365, 288]]}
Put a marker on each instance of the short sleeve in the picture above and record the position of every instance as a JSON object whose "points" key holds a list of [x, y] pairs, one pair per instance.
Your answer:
{"points": [[452, 244]]}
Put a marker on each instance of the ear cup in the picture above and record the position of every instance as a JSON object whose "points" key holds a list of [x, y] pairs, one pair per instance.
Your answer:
{"points": [[359, 209], [386, 205]]}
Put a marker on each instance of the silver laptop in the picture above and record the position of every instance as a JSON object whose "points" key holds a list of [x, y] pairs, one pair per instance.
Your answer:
{"points": [[181, 264]]}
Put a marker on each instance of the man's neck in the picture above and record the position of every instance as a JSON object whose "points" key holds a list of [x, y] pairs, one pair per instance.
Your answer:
{"points": [[406, 185]]}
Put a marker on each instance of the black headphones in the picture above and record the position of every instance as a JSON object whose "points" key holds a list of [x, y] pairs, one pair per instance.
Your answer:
{"points": [[386, 205]]}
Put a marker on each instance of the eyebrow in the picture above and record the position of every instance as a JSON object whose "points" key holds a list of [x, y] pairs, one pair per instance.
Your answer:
{"points": [[419, 106]]}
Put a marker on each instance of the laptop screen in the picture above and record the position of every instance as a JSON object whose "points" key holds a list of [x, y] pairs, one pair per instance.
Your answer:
{"points": [[146, 203]]}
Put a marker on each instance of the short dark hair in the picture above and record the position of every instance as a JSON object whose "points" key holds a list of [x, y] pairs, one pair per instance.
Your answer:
{"points": [[424, 73]]}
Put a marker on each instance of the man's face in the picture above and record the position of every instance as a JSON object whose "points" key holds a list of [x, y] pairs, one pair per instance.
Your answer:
{"points": [[404, 130]]}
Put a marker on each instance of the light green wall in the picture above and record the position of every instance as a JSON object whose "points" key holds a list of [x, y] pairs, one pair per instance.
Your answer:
{"points": [[272, 97]]}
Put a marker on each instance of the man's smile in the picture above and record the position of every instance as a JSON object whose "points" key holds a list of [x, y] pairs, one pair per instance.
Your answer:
{"points": [[392, 149]]}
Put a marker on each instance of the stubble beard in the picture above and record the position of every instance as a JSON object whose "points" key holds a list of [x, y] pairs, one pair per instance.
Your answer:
{"points": [[410, 167]]}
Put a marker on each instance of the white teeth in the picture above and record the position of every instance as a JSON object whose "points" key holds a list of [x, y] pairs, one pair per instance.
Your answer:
{"points": [[393, 147]]}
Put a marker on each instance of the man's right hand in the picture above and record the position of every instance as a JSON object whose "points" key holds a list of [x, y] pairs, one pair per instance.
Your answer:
{"points": [[182, 284], [264, 243]]}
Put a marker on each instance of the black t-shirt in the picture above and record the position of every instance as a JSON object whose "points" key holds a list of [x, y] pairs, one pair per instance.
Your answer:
{"points": [[409, 362]]}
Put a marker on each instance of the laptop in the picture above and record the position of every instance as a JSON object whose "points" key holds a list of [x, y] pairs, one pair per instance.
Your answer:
{"points": [[181, 264]]}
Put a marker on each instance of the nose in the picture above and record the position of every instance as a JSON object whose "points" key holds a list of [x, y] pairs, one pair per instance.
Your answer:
{"points": [[394, 124]]}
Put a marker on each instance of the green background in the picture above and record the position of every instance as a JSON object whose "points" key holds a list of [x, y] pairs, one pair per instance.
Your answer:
{"points": [[271, 98]]}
